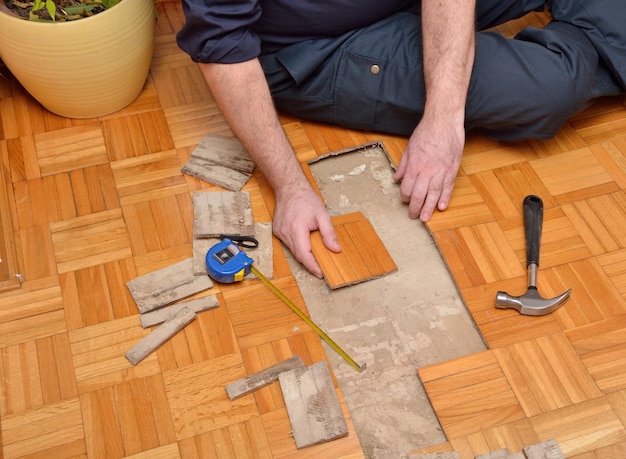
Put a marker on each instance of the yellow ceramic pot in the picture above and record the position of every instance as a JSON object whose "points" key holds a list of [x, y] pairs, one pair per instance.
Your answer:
{"points": [[84, 68]]}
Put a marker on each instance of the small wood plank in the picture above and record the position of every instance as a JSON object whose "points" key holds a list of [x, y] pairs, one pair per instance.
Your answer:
{"points": [[221, 161], [222, 212], [312, 404], [155, 339], [363, 256], [164, 314], [262, 378], [165, 286]]}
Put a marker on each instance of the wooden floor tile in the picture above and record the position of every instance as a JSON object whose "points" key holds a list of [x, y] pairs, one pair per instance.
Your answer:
{"points": [[53, 430], [513, 436], [601, 347], [363, 256], [546, 374], [197, 410], [582, 427], [98, 353], [148, 177], [571, 171], [190, 123], [470, 395], [69, 149], [90, 240]]}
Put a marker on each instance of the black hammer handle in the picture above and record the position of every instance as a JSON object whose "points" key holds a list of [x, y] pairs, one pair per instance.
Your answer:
{"points": [[533, 220]]}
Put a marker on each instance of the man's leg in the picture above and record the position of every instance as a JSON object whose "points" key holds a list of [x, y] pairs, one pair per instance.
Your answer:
{"points": [[529, 86], [373, 79]]}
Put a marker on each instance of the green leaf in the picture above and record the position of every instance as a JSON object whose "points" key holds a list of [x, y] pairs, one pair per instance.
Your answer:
{"points": [[39, 4], [52, 8], [109, 3], [78, 9]]}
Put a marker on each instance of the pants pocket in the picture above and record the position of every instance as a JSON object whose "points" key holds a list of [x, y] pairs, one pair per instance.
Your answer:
{"points": [[357, 86]]}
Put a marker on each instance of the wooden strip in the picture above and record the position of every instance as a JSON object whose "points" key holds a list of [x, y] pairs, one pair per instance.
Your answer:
{"points": [[154, 340], [166, 313], [165, 286], [221, 161], [312, 404], [222, 212], [262, 378]]}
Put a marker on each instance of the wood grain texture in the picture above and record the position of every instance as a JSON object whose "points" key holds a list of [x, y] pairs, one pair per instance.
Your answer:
{"points": [[96, 203], [363, 255]]}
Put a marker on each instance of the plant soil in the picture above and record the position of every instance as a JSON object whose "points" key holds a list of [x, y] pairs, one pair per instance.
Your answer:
{"points": [[24, 9]]}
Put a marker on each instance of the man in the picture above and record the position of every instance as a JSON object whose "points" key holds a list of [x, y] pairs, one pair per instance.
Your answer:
{"points": [[399, 67]]}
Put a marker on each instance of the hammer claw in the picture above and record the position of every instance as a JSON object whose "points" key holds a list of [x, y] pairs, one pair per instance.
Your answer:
{"points": [[531, 303]]}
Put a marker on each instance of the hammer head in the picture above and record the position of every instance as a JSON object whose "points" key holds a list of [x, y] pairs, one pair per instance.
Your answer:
{"points": [[531, 303]]}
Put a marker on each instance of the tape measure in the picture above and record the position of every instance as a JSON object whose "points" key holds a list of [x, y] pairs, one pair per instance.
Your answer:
{"points": [[227, 264]]}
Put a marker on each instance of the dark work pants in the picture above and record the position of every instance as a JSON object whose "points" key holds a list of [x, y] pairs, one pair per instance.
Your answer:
{"points": [[520, 88]]}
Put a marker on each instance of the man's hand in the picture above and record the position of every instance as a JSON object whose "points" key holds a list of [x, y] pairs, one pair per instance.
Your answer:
{"points": [[296, 216], [432, 158], [428, 167]]}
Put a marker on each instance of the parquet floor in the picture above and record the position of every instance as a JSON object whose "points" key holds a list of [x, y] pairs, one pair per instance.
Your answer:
{"points": [[95, 203]]}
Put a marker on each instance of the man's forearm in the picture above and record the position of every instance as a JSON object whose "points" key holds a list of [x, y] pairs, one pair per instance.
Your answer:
{"points": [[448, 29], [242, 94]]}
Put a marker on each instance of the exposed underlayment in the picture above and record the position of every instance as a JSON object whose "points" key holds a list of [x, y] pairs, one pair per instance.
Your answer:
{"points": [[394, 324]]}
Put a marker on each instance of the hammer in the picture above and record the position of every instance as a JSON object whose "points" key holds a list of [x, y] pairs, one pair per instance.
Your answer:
{"points": [[531, 303]]}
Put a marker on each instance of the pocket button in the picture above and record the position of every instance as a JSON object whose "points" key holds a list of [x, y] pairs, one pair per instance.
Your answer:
{"points": [[374, 69]]}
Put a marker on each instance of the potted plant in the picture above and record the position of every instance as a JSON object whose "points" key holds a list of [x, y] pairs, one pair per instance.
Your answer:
{"points": [[78, 58]]}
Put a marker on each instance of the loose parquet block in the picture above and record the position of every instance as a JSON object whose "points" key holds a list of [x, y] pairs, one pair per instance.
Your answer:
{"points": [[165, 286], [222, 161], [363, 255], [164, 314], [313, 405], [149, 344], [222, 212], [261, 379]]}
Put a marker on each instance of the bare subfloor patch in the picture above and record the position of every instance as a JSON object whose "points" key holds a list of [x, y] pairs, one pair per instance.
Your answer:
{"points": [[394, 324]]}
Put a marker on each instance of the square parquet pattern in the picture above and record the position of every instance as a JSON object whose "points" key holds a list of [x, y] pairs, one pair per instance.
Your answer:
{"points": [[95, 203]]}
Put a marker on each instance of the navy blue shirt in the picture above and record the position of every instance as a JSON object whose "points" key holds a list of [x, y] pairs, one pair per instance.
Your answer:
{"points": [[229, 31]]}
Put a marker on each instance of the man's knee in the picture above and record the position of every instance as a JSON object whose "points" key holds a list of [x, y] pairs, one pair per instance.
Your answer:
{"points": [[529, 86]]}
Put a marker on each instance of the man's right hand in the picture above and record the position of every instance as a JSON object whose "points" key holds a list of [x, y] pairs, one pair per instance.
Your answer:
{"points": [[243, 96], [296, 216]]}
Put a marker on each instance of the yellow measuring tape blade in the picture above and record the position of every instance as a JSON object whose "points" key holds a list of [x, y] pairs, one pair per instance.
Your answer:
{"points": [[304, 317]]}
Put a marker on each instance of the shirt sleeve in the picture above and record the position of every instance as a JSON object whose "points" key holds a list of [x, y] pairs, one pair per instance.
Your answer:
{"points": [[220, 30]]}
